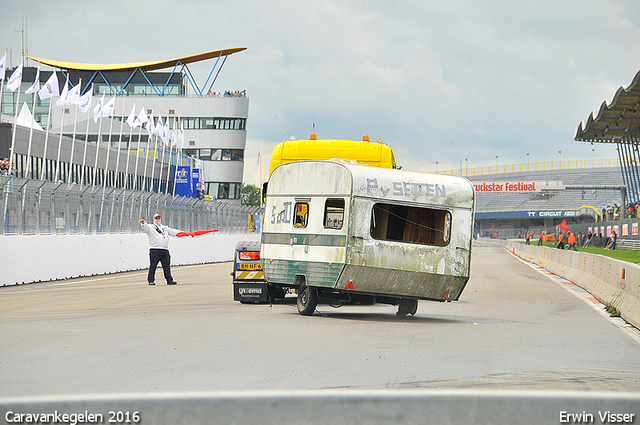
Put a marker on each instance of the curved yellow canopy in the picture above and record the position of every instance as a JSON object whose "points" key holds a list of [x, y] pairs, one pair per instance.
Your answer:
{"points": [[145, 66]]}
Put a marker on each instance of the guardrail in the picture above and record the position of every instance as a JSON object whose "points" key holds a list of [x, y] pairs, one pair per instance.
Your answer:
{"points": [[34, 207], [444, 407], [613, 282]]}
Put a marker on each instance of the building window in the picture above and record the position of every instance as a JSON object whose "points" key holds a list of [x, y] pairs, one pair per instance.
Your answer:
{"points": [[223, 190], [400, 223], [216, 154]]}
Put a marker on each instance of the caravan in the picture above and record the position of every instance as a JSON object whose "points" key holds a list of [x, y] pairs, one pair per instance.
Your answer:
{"points": [[346, 233]]}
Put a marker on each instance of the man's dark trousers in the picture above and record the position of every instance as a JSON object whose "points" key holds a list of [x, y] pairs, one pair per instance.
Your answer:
{"points": [[159, 256]]}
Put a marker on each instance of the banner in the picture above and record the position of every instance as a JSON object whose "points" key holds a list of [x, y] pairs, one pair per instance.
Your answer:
{"points": [[195, 179], [516, 186], [527, 214], [182, 180]]}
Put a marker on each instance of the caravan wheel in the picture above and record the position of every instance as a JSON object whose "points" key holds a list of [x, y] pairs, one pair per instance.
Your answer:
{"points": [[307, 300], [407, 307]]}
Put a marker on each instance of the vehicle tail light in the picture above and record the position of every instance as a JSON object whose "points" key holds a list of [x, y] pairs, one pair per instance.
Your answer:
{"points": [[249, 255]]}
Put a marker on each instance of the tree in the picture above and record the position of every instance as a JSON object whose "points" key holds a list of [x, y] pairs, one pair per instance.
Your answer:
{"points": [[250, 195]]}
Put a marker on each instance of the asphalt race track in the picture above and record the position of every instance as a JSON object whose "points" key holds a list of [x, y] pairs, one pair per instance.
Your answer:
{"points": [[514, 328]]}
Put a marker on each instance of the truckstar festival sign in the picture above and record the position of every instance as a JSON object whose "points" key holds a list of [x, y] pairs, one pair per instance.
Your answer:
{"points": [[519, 186]]}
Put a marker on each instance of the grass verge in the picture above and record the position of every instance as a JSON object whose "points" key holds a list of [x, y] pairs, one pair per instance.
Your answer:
{"points": [[628, 255]]}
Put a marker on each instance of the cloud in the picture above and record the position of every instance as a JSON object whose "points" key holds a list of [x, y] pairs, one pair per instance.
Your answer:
{"points": [[495, 78]]}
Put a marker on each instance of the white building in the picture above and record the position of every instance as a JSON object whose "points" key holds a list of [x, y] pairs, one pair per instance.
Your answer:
{"points": [[214, 125]]}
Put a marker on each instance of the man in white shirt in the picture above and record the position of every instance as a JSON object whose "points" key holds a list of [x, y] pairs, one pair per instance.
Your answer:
{"points": [[159, 248]]}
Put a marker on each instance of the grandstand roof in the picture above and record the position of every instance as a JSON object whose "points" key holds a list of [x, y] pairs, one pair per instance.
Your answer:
{"points": [[616, 120], [145, 66]]}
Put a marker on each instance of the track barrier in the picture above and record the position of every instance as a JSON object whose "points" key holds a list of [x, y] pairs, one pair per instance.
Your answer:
{"points": [[613, 282]]}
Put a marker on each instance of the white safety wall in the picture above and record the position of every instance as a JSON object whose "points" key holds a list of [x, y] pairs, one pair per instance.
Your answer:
{"points": [[26, 259]]}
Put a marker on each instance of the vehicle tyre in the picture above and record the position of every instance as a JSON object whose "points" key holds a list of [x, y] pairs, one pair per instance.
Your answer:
{"points": [[406, 307], [307, 300]]}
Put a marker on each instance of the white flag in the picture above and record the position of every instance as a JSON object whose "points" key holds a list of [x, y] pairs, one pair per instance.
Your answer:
{"points": [[15, 79], [3, 66], [64, 94], [98, 109], [166, 132], [174, 137], [109, 107], [150, 128], [84, 103], [141, 118], [36, 84], [160, 127], [259, 154], [50, 88], [73, 97], [131, 119]]}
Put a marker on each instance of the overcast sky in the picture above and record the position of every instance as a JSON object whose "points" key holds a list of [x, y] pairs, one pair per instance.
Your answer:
{"points": [[438, 81]]}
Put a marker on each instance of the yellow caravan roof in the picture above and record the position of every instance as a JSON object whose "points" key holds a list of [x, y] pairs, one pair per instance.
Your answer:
{"points": [[145, 66], [364, 152]]}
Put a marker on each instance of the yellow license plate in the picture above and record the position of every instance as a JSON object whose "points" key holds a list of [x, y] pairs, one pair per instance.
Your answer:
{"points": [[249, 266]]}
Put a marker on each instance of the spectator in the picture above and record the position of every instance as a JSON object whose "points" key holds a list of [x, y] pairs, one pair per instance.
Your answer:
{"points": [[588, 240], [611, 243], [560, 240], [541, 237], [571, 242]]}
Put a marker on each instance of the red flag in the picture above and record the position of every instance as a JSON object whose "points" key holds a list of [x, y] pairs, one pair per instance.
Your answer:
{"points": [[492, 227], [563, 226], [203, 232], [196, 233]]}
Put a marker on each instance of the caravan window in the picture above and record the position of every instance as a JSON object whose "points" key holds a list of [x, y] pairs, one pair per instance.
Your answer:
{"points": [[333, 213], [402, 223], [302, 214]]}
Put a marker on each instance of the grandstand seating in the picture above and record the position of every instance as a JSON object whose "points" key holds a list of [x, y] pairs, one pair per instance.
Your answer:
{"points": [[551, 200]]}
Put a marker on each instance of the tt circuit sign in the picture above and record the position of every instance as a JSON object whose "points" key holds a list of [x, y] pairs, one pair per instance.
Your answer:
{"points": [[527, 214]]}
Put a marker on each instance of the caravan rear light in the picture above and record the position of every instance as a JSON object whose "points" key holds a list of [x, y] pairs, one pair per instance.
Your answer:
{"points": [[249, 255]]}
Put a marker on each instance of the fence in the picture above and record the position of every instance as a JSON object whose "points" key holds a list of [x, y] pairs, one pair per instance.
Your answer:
{"points": [[35, 207]]}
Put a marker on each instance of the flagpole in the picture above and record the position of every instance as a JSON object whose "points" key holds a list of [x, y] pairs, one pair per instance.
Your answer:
{"points": [[43, 167], [115, 184], [126, 168], [153, 169], [15, 124], [29, 173], [95, 167], [164, 149], [73, 138], [4, 77], [55, 178], [135, 171], [86, 139], [106, 165], [175, 170], [146, 157], [124, 103]]}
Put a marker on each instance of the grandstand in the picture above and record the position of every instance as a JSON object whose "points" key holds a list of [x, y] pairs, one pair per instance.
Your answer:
{"points": [[510, 212]]}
